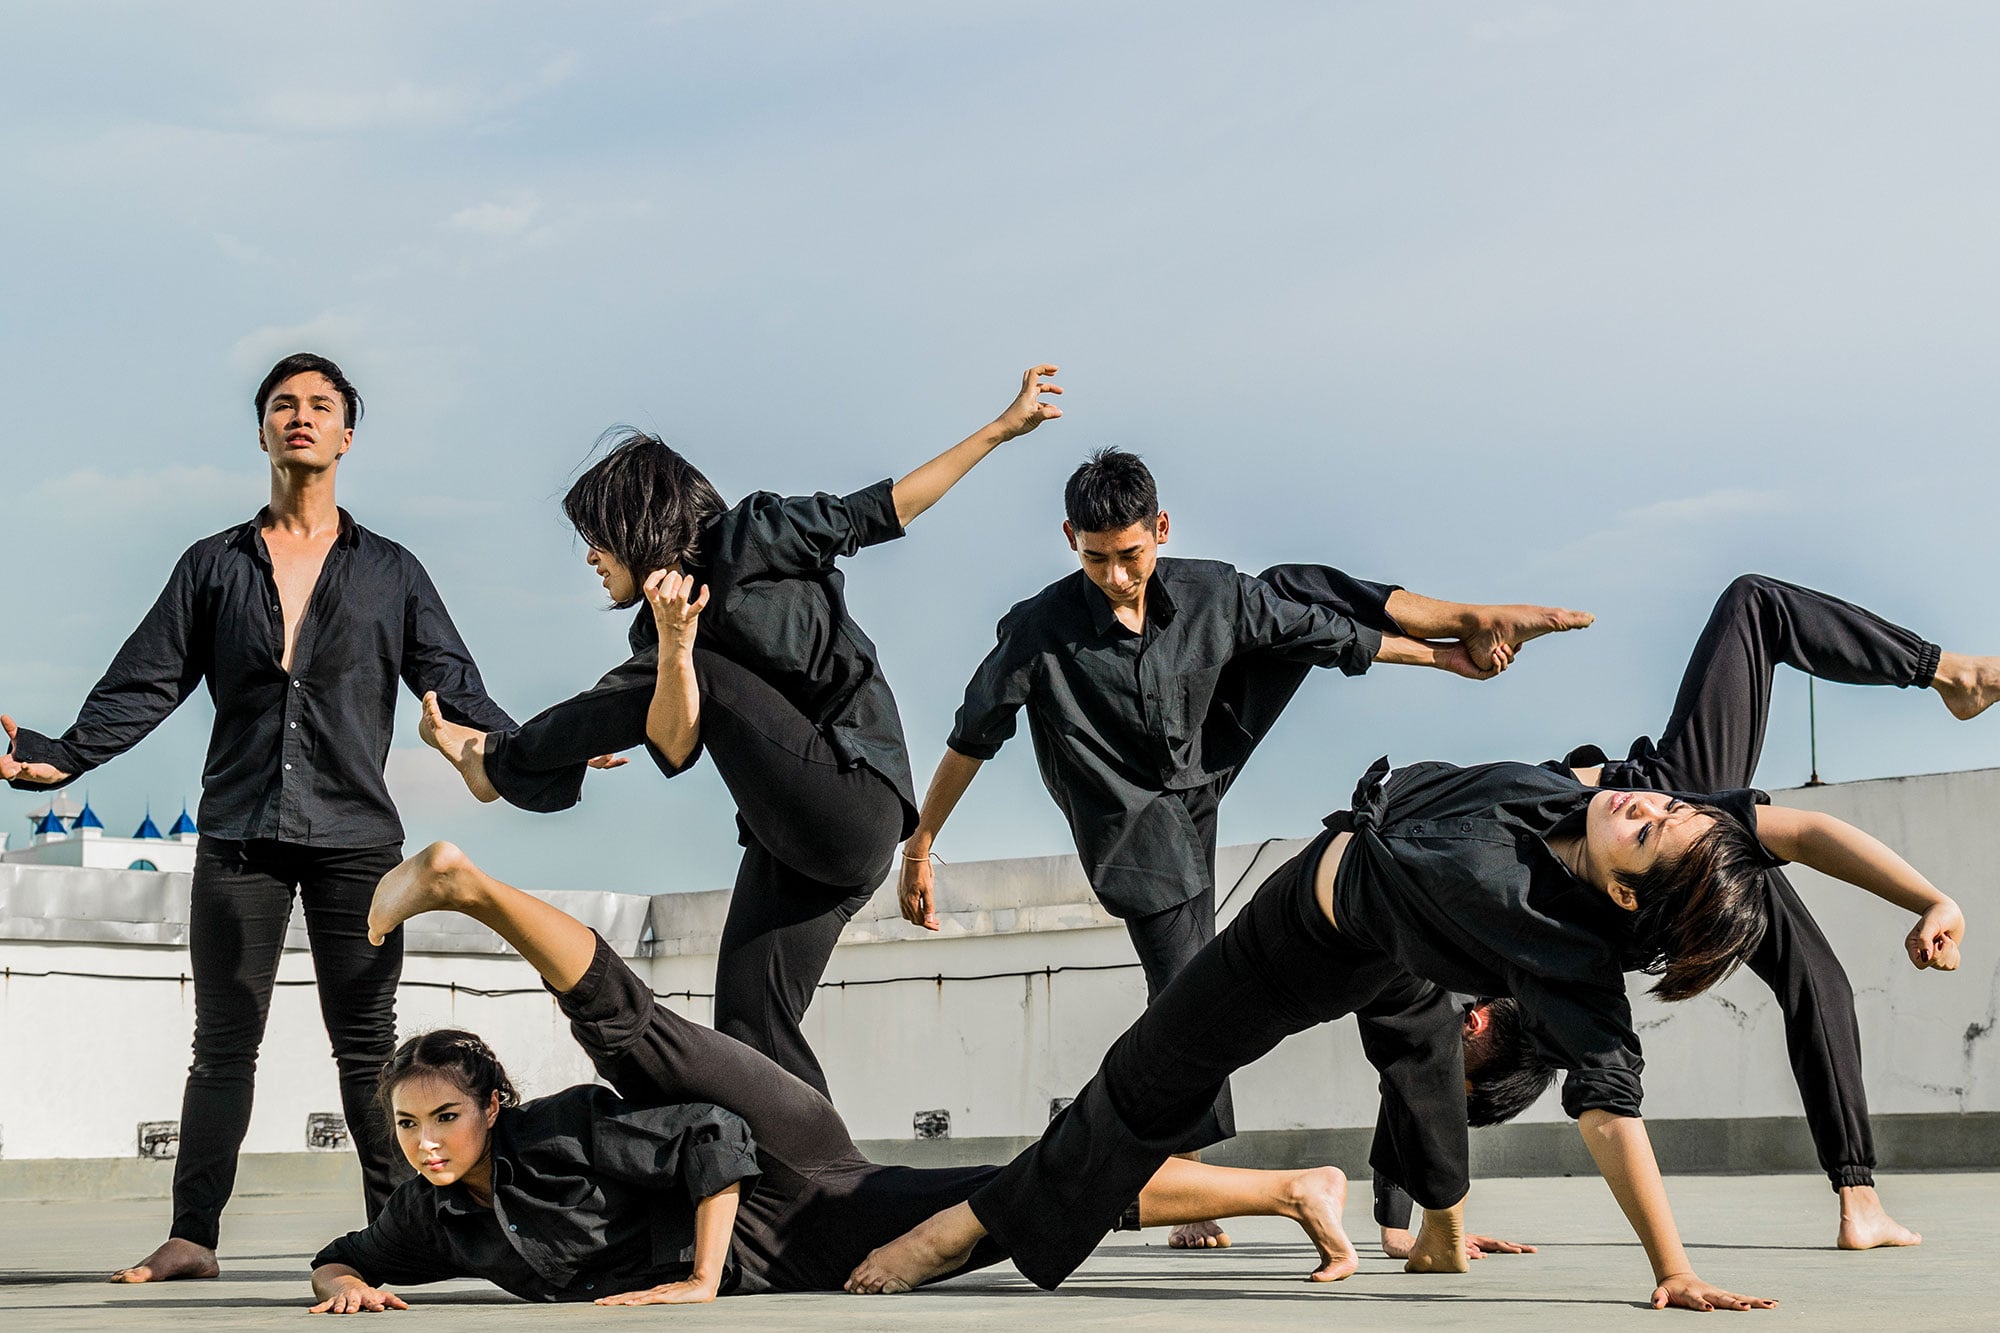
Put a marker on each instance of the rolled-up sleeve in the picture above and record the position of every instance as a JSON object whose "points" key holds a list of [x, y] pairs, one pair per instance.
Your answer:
{"points": [[400, 1247], [699, 1148], [1315, 634], [994, 696], [1587, 1030]]}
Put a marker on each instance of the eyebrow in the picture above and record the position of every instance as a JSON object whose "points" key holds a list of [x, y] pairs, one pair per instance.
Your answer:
{"points": [[434, 1110]]}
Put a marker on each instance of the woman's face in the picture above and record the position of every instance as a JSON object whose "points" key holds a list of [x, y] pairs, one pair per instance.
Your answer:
{"points": [[1627, 832], [442, 1131], [618, 581]]}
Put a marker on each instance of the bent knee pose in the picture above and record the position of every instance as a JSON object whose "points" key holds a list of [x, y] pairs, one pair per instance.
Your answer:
{"points": [[747, 652], [1500, 879], [1712, 743], [300, 622], [711, 1171], [1148, 682]]}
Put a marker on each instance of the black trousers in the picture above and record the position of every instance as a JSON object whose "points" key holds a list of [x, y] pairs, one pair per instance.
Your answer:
{"points": [[1712, 743], [242, 900], [820, 1206], [1279, 968], [1250, 696], [818, 838]]}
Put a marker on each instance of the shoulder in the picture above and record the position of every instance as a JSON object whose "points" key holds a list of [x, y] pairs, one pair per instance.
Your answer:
{"points": [[1200, 573]]}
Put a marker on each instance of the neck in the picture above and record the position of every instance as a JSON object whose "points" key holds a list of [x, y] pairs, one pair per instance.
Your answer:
{"points": [[1571, 851], [303, 502]]}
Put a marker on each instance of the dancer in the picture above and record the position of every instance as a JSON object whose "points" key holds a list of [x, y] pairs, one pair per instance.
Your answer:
{"points": [[300, 622], [1148, 683], [1712, 743], [783, 690], [712, 1172], [1499, 879]]}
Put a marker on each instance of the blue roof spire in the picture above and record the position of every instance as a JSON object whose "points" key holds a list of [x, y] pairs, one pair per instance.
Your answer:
{"points": [[86, 818], [148, 829], [50, 822], [183, 824]]}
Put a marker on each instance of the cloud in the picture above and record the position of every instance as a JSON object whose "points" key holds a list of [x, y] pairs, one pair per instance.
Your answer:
{"points": [[1730, 502], [402, 105], [496, 217], [98, 498], [254, 352]]}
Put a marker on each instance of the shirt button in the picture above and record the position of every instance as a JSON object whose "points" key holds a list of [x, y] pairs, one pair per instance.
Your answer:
{"points": [[288, 768], [512, 1227], [294, 726], [1465, 827], [296, 684]]}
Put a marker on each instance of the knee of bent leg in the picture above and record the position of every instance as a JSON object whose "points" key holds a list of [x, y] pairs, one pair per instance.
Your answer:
{"points": [[1746, 588]]}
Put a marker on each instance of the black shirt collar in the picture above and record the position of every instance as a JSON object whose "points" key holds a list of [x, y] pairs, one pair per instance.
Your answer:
{"points": [[1159, 605], [249, 537]]}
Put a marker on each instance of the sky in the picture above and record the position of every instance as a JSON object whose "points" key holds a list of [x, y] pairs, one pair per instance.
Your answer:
{"points": [[1588, 304]]}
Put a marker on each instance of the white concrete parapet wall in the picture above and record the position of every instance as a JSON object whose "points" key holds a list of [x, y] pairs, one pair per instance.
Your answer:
{"points": [[95, 1020]]}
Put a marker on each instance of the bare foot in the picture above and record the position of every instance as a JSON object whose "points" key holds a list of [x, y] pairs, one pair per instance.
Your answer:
{"points": [[463, 746], [435, 879], [1498, 631], [1440, 1246], [1198, 1236], [1314, 1200], [174, 1261], [1970, 685], [1866, 1225], [940, 1244]]}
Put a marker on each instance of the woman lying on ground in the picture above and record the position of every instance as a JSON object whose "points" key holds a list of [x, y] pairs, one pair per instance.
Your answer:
{"points": [[1711, 744], [710, 1172], [783, 690], [1499, 879]]}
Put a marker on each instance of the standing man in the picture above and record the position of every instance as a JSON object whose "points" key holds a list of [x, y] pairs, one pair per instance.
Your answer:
{"points": [[300, 622], [1149, 682]]}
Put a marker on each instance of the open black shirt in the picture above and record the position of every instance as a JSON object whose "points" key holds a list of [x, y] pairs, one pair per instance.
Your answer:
{"points": [[296, 756], [592, 1196], [1118, 718]]}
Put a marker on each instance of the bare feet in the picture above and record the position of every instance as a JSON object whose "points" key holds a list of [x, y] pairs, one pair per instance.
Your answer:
{"points": [[463, 746], [1866, 1225], [1198, 1236], [1440, 1245], [1970, 685], [174, 1261], [940, 1244], [435, 879], [1314, 1199], [1497, 632]]}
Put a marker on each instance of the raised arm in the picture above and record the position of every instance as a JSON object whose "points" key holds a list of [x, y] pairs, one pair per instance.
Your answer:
{"points": [[1837, 848], [927, 485], [917, 891], [1624, 1155]]}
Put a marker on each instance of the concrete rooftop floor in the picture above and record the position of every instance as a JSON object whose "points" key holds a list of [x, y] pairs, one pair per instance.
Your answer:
{"points": [[1766, 1235]]}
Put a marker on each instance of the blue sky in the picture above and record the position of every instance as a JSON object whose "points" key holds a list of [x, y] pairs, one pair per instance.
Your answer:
{"points": [[1592, 304]]}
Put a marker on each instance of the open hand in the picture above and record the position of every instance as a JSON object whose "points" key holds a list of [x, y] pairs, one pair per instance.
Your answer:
{"points": [[917, 892], [1478, 1247], [610, 761], [668, 592], [1027, 411], [1934, 940], [359, 1298], [12, 770], [690, 1292], [1690, 1293]]}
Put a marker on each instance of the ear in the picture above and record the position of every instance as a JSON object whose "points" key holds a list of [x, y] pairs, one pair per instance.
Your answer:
{"points": [[346, 443], [1160, 528], [1477, 1019], [492, 1107], [1069, 534], [1621, 893]]}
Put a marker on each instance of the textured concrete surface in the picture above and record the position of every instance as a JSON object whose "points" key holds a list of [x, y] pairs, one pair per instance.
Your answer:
{"points": [[1768, 1235]]}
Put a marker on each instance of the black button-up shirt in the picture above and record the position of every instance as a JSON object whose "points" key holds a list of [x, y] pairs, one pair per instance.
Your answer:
{"points": [[1450, 872], [592, 1196], [1118, 718], [777, 605], [293, 756]]}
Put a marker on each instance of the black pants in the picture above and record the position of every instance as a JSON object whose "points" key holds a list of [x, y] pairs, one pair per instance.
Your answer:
{"points": [[1712, 742], [820, 1206], [1279, 968], [818, 838], [242, 900]]}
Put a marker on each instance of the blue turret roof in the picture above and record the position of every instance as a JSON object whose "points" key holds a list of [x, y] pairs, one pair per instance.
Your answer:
{"points": [[86, 818], [182, 825], [51, 822], [148, 829]]}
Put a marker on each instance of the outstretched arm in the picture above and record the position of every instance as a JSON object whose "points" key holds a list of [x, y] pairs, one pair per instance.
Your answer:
{"points": [[1837, 848], [714, 1224], [917, 891], [341, 1290], [927, 485], [13, 770], [1625, 1157], [1454, 657]]}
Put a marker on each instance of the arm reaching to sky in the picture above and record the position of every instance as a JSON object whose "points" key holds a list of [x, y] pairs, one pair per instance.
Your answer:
{"points": [[1625, 1157], [927, 485], [1837, 848]]}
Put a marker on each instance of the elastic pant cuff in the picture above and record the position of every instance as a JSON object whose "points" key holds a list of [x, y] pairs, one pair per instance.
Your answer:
{"points": [[1845, 1177], [592, 1000], [1927, 665]]}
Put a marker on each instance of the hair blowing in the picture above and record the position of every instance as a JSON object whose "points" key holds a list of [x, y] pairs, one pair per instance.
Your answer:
{"points": [[459, 1057], [1703, 912], [643, 503]]}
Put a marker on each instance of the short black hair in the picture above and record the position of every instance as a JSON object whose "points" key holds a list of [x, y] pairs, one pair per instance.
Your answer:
{"points": [[1506, 1072], [1703, 912], [643, 503], [1110, 491], [300, 363]]}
